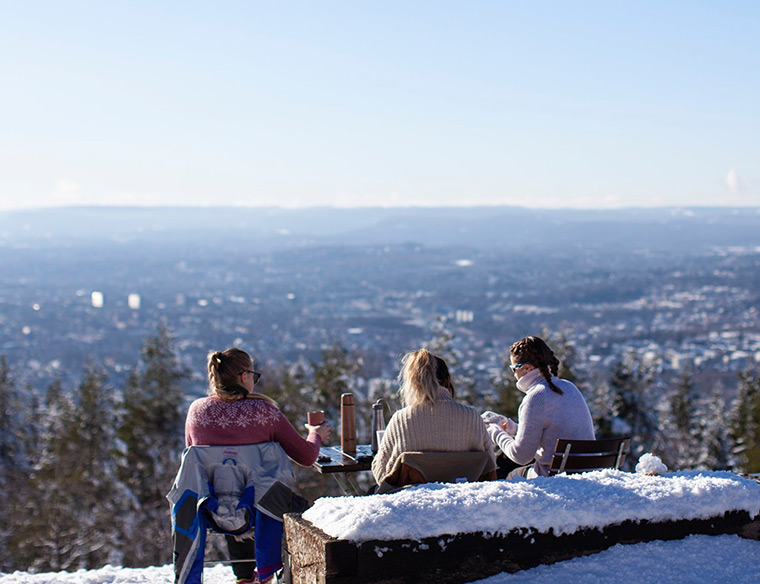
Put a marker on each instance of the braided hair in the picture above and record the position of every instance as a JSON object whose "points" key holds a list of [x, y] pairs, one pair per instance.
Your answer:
{"points": [[535, 351]]}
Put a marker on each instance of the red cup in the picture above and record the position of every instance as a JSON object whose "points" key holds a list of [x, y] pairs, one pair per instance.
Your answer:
{"points": [[315, 418]]}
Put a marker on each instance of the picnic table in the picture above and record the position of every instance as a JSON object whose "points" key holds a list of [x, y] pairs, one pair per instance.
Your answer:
{"points": [[341, 465]]}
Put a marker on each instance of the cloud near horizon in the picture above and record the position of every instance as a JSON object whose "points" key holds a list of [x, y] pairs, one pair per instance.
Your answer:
{"points": [[734, 182]]}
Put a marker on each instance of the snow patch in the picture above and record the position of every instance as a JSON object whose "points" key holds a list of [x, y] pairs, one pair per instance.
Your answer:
{"points": [[560, 503], [649, 464]]}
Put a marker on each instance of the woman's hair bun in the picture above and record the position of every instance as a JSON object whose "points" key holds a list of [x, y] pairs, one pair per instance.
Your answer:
{"points": [[215, 359], [224, 370]]}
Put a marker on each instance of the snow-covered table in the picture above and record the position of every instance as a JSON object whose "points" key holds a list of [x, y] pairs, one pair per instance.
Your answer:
{"points": [[454, 532]]}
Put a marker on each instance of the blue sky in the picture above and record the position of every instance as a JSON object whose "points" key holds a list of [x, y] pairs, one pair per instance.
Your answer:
{"points": [[551, 104]]}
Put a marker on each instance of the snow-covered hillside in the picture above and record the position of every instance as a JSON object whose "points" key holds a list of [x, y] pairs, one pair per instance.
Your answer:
{"points": [[699, 559]]}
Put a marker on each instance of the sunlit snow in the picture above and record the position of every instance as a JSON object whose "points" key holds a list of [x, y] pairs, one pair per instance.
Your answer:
{"points": [[560, 503], [698, 559]]}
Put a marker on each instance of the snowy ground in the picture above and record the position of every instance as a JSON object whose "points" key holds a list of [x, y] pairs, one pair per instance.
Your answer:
{"points": [[698, 559]]}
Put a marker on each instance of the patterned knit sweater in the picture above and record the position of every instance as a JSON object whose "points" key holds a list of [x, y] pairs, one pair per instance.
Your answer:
{"points": [[212, 421], [445, 426]]}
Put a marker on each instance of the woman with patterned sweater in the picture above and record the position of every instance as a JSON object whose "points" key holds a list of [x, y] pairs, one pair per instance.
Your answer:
{"points": [[233, 414]]}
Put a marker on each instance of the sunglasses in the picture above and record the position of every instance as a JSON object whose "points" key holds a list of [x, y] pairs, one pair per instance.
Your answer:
{"points": [[256, 374], [516, 367]]}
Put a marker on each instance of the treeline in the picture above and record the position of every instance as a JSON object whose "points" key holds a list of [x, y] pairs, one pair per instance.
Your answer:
{"points": [[84, 471]]}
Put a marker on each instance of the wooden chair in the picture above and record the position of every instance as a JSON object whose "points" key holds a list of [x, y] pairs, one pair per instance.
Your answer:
{"points": [[414, 468], [571, 456]]}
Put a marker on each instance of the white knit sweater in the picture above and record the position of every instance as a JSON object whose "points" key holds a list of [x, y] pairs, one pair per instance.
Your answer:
{"points": [[544, 416]]}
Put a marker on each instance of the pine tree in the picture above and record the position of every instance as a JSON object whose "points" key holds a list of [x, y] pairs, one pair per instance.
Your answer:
{"points": [[714, 432], [42, 542], [101, 490], [14, 465], [152, 435], [14, 427], [79, 527], [745, 423], [337, 373], [636, 390], [601, 404], [678, 446]]}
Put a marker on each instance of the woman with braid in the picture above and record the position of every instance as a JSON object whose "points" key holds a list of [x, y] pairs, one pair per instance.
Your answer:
{"points": [[551, 408], [431, 419], [233, 414]]}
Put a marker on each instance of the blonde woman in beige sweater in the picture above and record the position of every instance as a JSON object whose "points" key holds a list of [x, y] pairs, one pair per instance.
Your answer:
{"points": [[431, 419]]}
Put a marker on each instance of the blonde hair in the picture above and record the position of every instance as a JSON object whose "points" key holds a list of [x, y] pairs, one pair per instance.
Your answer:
{"points": [[422, 376]]}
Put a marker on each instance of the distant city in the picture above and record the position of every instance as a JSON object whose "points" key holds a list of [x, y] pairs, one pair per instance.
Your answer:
{"points": [[80, 285]]}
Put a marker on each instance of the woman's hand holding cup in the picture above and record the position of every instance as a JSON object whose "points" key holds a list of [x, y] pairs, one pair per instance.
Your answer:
{"points": [[323, 430], [315, 422]]}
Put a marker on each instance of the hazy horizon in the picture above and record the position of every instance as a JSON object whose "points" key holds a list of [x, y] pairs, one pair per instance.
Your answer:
{"points": [[116, 205]]}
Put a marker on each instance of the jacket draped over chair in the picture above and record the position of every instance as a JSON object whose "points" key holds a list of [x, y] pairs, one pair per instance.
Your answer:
{"points": [[231, 489]]}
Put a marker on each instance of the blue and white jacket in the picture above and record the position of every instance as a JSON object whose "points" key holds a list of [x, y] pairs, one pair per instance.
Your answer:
{"points": [[229, 489]]}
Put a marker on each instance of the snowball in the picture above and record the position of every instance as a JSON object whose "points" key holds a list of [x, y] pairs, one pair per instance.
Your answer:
{"points": [[649, 464]]}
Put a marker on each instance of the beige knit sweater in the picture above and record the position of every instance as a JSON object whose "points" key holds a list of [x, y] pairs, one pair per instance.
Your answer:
{"points": [[446, 426]]}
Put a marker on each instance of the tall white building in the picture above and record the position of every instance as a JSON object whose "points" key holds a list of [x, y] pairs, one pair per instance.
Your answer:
{"points": [[133, 301]]}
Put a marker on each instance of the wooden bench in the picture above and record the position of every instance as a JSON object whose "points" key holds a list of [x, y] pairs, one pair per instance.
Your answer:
{"points": [[571, 456], [548, 526], [317, 558]]}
